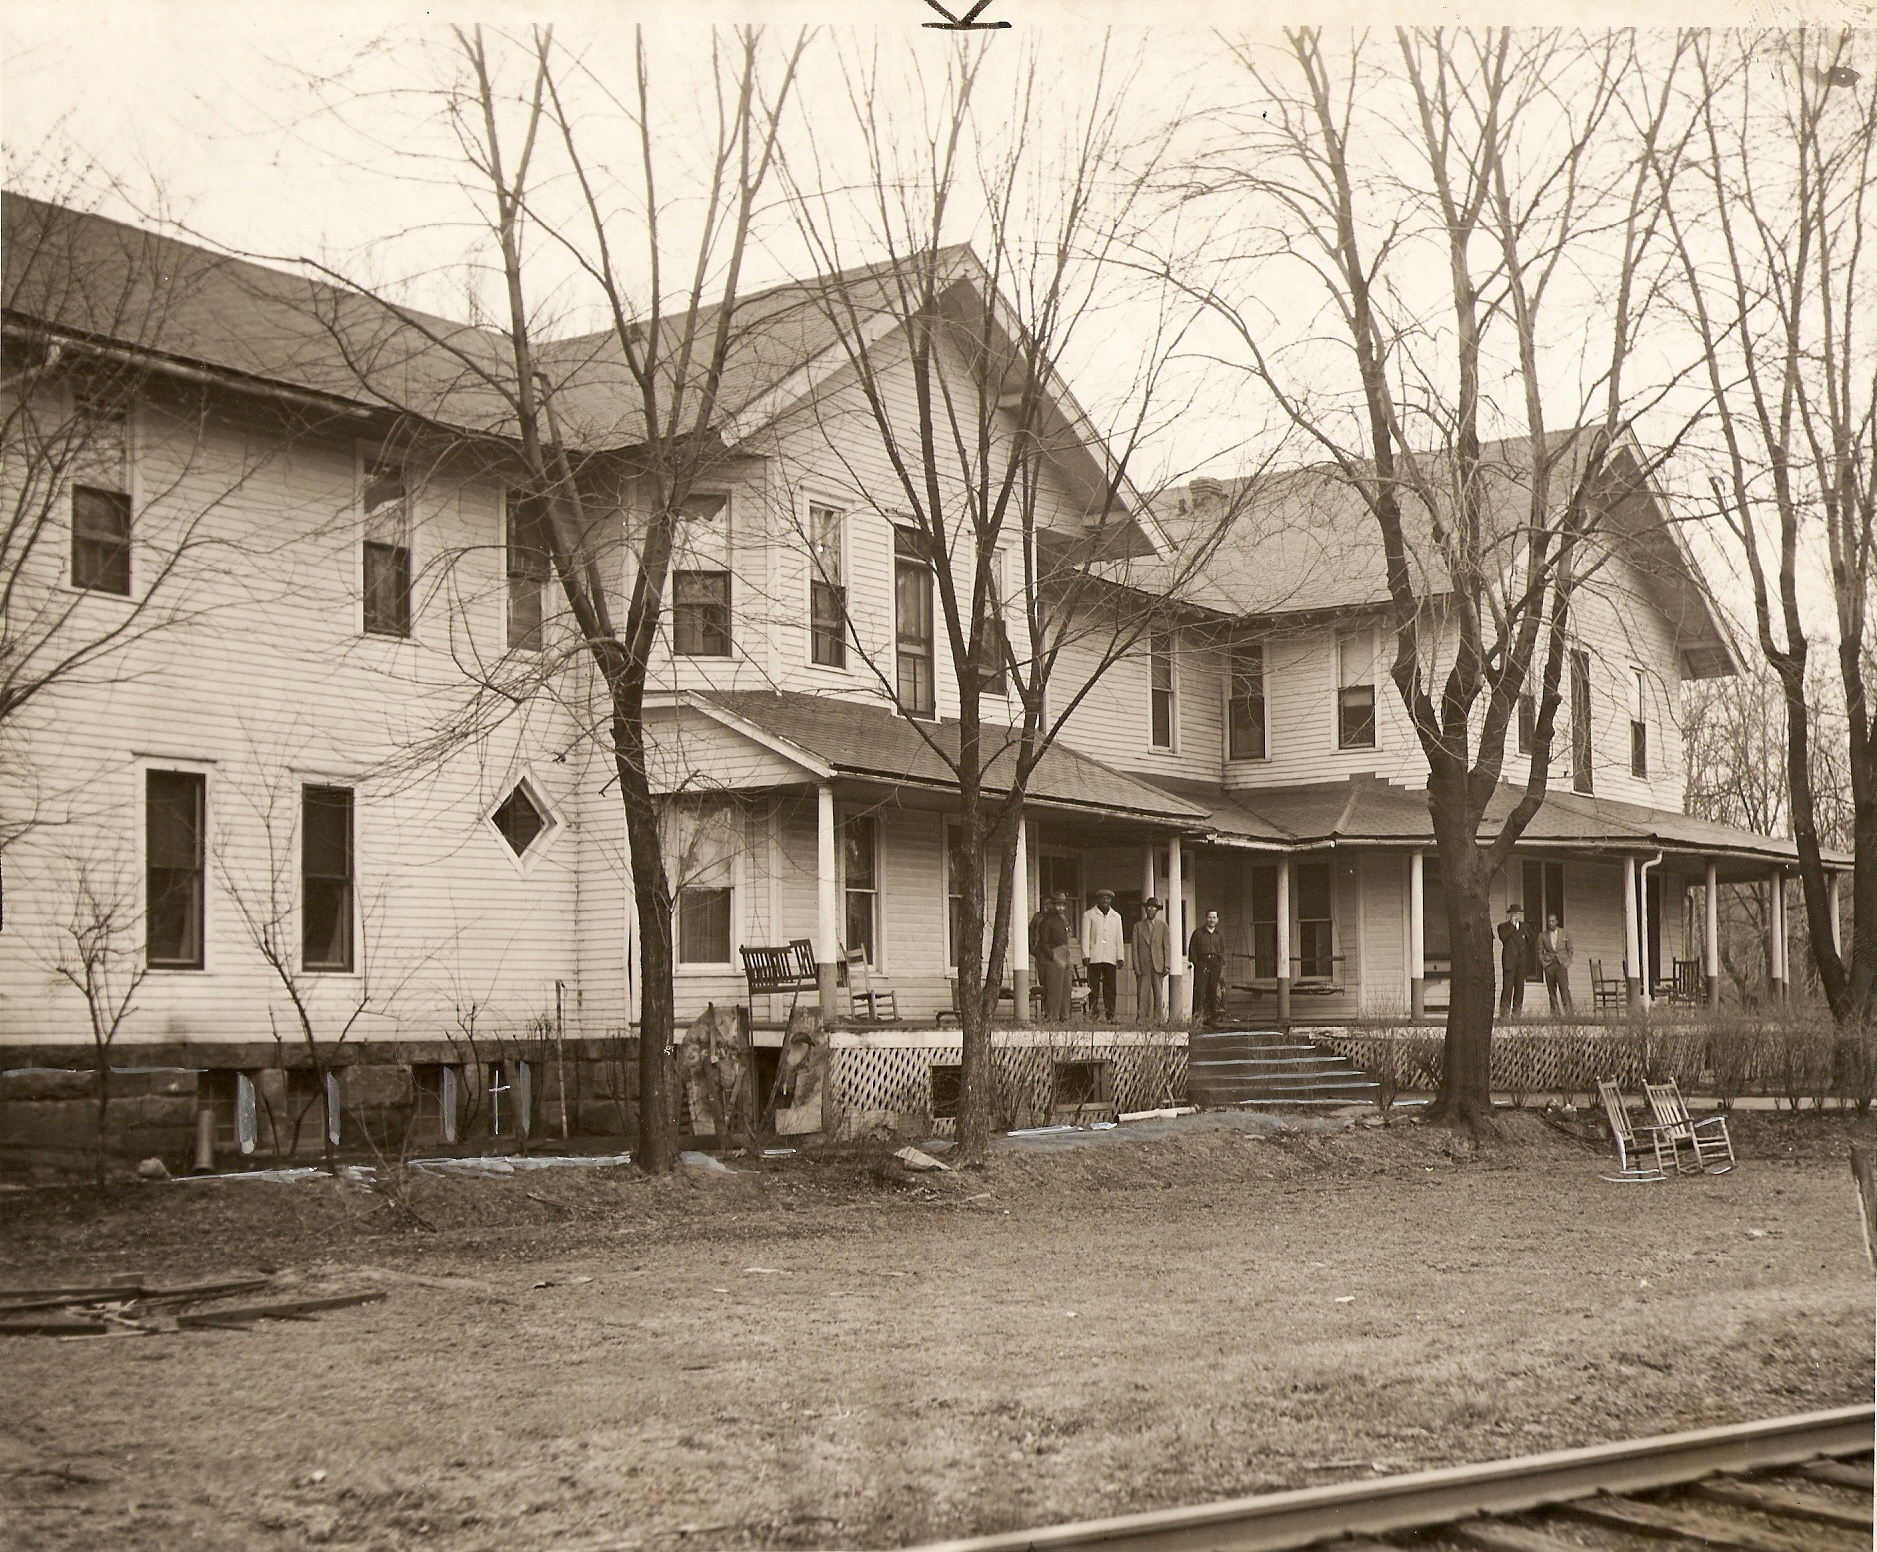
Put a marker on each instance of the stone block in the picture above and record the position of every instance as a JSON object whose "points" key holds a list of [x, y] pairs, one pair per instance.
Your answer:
{"points": [[600, 1118], [376, 1086], [48, 1123], [149, 1111], [42, 1083]]}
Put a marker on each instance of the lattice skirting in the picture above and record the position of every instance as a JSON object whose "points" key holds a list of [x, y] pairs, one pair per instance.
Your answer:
{"points": [[882, 1084]]}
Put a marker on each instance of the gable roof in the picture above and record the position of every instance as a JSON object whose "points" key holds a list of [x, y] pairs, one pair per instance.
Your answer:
{"points": [[1303, 541]]}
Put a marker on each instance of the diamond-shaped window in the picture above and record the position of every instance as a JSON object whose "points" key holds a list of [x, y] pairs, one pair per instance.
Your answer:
{"points": [[520, 820]]}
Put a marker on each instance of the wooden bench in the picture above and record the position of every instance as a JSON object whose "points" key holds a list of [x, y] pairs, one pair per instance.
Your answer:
{"points": [[773, 969]]}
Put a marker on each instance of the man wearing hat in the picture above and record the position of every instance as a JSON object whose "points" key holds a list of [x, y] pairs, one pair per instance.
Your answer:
{"points": [[1514, 959], [1148, 959], [1053, 949], [1102, 952]]}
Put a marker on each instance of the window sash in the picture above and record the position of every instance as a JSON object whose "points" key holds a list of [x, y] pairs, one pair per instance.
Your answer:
{"points": [[827, 629], [1316, 951], [700, 613], [326, 883], [387, 589], [1580, 722], [101, 540], [173, 862], [528, 564], [1355, 717], [1245, 730], [1160, 692], [1639, 749], [913, 624], [1528, 724], [703, 925]]}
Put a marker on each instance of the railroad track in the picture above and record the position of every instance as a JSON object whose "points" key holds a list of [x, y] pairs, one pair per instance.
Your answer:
{"points": [[1790, 1484]]}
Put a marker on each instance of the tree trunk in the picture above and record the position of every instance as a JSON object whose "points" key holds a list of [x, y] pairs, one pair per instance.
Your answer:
{"points": [[1464, 1099], [656, 1151]]}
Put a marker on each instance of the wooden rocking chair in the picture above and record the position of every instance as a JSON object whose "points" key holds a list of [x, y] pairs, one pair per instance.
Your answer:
{"points": [[1706, 1139], [863, 993], [1628, 1171], [1605, 991]]}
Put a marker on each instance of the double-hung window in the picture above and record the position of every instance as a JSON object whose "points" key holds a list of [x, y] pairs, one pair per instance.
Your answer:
{"points": [[101, 498], [1581, 749], [1245, 715], [529, 563], [326, 878], [994, 640], [1639, 723], [1163, 712], [700, 613], [1316, 940], [387, 551], [915, 680], [174, 849], [1528, 723], [860, 851], [827, 588], [1355, 689], [703, 849]]}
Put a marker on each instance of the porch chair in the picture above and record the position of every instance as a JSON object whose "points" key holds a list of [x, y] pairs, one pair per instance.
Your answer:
{"points": [[1628, 1171], [1706, 1139], [789, 967], [861, 992], [1686, 986], [1605, 991]]}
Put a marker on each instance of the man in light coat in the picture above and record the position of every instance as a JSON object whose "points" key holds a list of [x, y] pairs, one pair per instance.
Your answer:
{"points": [[1102, 951], [1555, 951], [1149, 957]]}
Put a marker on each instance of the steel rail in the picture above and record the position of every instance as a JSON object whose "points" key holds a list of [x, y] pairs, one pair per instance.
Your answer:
{"points": [[1275, 1522]]}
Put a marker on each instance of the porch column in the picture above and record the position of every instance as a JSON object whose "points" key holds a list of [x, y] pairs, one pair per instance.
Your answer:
{"points": [[1632, 938], [1020, 926], [1283, 939], [827, 896], [1178, 1006], [1776, 936], [1711, 936], [1417, 935], [1832, 893], [1644, 969]]}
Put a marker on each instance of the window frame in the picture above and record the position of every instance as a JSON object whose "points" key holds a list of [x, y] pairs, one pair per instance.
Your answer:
{"points": [[543, 843], [1327, 955], [1170, 656], [910, 554], [726, 629], [534, 639], [831, 633], [1233, 678], [120, 549], [349, 883], [87, 471], [876, 958], [997, 683], [147, 769], [733, 865], [372, 526], [1639, 723], [1526, 717], [1339, 728], [1583, 739]]}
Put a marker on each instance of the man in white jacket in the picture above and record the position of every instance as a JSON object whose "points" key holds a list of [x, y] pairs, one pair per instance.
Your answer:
{"points": [[1103, 952]]}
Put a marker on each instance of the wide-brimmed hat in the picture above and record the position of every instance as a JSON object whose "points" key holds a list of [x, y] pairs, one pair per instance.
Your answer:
{"points": [[1515, 909], [1150, 900]]}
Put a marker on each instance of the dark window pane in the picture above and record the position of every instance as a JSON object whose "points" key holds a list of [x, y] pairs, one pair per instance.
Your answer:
{"points": [[520, 820], [1639, 749], [859, 932], [912, 607], [1580, 722], [703, 926], [1356, 717], [529, 564], [995, 674], [1528, 724], [827, 608], [173, 841], [326, 878], [1163, 719], [858, 838], [101, 540], [700, 613], [1315, 939], [387, 589], [1245, 724]]}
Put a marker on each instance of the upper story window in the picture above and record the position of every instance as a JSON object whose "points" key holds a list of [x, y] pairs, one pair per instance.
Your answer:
{"points": [[175, 814], [101, 540], [326, 878], [914, 672], [994, 649], [387, 551], [827, 588], [700, 613], [1580, 721], [1244, 723], [1639, 723], [529, 563], [1528, 723], [1355, 689], [1163, 710]]}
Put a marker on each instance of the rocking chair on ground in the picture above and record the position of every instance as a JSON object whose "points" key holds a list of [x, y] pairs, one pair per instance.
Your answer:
{"points": [[1628, 1170], [1706, 1140]]}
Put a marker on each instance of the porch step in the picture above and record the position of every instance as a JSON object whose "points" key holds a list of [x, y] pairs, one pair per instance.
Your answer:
{"points": [[1270, 1068]]}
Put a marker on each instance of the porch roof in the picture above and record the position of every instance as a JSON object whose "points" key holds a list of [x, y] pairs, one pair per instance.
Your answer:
{"points": [[869, 740], [1366, 810]]}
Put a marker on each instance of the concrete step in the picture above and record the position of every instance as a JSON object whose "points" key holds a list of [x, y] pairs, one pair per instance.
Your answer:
{"points": [[1271, 1068]]}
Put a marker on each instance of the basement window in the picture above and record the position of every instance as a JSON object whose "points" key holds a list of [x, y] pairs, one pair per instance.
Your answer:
{"points": [[948, 1080], [1080, 1084]]}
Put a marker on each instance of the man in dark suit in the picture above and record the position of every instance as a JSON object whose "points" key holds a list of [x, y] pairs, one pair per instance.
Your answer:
{"points": [[1515, 958]]}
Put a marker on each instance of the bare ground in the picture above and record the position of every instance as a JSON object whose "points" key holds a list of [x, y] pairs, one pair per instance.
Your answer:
{"points": [[816, 1356]]}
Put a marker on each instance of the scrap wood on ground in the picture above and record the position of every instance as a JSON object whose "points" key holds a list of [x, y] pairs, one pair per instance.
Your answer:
{"points": [[132, 1305]]}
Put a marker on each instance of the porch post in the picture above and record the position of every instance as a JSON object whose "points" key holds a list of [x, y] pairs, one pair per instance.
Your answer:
{"points": [[827, 916], [1832, 893], [1711, 938], [1417, 935], [1178, 1007], [1283, 939], [1776, 936], [1632, 938], [1020, 927]]}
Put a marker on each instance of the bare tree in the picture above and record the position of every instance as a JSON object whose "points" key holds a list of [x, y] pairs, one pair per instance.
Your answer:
{"points": [[100, 956], [1477, 214], [999, 225], [1773, 238], [575, 176]]}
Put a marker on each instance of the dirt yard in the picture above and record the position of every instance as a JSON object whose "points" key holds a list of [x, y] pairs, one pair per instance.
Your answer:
{"points": [[815, 1356]]}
